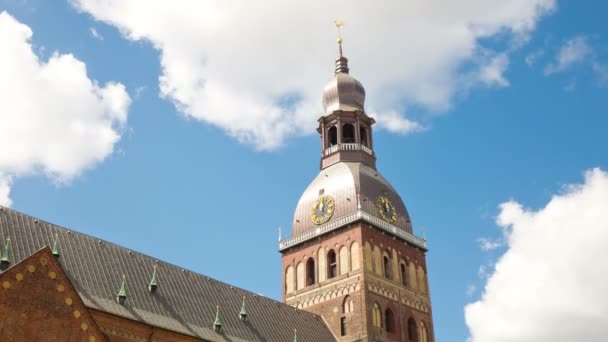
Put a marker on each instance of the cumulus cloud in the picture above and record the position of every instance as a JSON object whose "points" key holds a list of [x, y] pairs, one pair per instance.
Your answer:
{"points": [[572, 52], [5, 190], [232, 64], [55, 120], [550, 284], [396, 123]]}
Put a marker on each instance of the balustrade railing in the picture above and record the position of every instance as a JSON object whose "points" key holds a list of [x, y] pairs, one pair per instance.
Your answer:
{"points": [[350, 218], [347, 147]]}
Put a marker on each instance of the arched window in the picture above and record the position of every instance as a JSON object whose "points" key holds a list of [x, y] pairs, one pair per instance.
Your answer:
{"points": [[389, 321], [300, 276], [376, 316], [386, 263], [332, 269], [421, 279], [289, 280], [363, 135], [347, 305], [348, 133], [310, 272], [332, 133], [424, 336], [404, 275], [322, 264], [411, 330], [343, 269], [354, 256]]}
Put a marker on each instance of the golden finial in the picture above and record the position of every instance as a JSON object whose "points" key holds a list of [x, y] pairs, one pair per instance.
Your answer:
{"points": [[338, 25]]}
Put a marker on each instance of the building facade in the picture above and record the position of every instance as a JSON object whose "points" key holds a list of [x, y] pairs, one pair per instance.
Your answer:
{"points": [[352, 270], [352, 257]]}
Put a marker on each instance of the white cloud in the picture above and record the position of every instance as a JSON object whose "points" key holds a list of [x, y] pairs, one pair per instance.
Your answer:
{"points": [[5, 190], [232, 63], [489, 245], [550, 285], [471, 289], [492, 73], [601, 72], [533, 57], [393, 122], [572, 52], [95, 34], [55, 120]]}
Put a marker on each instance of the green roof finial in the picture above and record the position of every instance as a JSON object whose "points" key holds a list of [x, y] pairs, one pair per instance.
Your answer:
{"points": [[295, 335], [121, 298], [243, 313], [56, 246], [5, 255], [153, 283], [217, 325]]}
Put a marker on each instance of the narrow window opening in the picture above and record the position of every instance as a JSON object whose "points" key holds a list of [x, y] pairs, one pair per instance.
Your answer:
{"points": [[332, 270], [348, 133], [343, 326], [310, 272], [411, 330], [404, 275], [387, 267], [363, 135], [389, 320], [333, 135]]}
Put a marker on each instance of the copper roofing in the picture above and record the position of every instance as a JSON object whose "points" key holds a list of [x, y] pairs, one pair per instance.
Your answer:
{"points": [[343, 181], [343, 92], [184, 302]]}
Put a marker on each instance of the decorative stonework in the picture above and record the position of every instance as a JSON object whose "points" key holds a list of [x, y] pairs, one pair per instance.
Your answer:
{"points": [[324, 294], [403, 298]]}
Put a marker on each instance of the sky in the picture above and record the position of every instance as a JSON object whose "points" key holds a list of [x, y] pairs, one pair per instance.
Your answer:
{"points": [[186, 130]]}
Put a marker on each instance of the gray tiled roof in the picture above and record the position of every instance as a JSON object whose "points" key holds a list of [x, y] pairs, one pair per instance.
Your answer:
{"points": [[184, 301]]}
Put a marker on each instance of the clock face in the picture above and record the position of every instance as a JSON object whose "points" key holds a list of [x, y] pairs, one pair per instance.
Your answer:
{"points": [[322, 209], [386, 209]]}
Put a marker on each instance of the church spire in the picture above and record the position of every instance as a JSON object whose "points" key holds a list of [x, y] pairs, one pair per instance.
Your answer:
{"points": [[346, 130], [341, 61]]}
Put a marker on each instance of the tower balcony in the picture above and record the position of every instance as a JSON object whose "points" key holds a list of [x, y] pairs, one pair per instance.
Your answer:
{"points": [[348, 152], [347, 147]]}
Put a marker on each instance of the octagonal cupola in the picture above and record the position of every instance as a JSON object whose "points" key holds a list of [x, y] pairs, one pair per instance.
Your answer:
{"points": [[345, 128]]}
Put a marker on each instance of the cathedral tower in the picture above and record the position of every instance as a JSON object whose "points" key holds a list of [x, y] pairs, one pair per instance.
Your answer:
{"points": [[352, 257]]}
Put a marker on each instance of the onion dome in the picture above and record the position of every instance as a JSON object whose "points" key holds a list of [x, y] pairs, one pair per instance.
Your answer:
{"points": [[343, 92]]}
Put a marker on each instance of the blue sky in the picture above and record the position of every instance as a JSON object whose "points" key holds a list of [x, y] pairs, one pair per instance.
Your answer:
{"points": [[208, 191]]}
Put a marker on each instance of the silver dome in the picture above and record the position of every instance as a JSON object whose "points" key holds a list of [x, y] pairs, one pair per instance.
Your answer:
{"points": [[343, 92], [343, 181]]}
